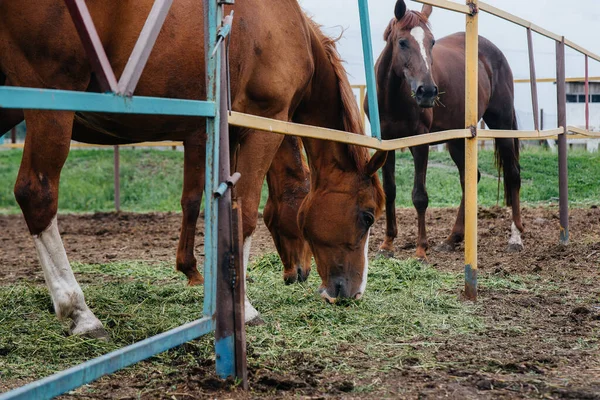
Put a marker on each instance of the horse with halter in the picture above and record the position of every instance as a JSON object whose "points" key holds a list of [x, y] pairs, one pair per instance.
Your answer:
{"points": [[421, 89], [282, 67]]}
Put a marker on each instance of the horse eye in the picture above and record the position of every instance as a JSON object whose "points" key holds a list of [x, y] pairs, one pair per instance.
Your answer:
{"points": [[368, 219], [403, 44], [433, 43]]}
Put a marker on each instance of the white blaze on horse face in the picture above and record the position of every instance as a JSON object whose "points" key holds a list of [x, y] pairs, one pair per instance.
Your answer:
{"points": [[65, 291], [250, 312], [515, 236], [363, 284], [419, 34]]}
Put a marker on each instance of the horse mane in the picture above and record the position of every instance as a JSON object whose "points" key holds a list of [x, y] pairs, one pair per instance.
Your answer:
{"points": [[411, 20], [351, 117]]}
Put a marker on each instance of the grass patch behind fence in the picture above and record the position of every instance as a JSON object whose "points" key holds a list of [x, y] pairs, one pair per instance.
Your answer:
{"points": [[405, 302], [151, 180]]}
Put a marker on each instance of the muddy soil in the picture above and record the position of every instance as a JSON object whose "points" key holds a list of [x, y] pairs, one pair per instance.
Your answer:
{"points": [[534, 346]]}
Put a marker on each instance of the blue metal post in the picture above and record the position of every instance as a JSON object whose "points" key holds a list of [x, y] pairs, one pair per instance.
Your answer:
{"points": [[365, 27], [224, 347]]}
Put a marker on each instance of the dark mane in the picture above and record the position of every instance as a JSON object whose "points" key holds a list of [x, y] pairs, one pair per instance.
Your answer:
{"points": [[411, 20]]}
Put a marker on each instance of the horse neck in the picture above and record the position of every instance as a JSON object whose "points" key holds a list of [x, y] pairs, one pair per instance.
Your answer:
{"points": [[323, 106], [288, 173]]}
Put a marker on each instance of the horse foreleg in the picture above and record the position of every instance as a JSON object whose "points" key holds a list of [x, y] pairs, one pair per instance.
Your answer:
{"points": [[191, 198], [256, 152], [508, 154], [36, 191], [389, 187], [420, 198], [457, 152]]}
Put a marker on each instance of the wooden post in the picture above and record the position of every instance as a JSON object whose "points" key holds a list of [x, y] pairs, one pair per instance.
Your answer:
{"points": [[471, 113], [482, 142], [587, 94], [533, 81], [117, 178], [563, 180], [13, 135]]}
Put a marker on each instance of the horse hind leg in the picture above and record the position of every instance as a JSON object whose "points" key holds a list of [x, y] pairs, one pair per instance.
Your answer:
{"points": [[36, 191], [457, 152], [507, 159], [388, 172], [191, 198]]}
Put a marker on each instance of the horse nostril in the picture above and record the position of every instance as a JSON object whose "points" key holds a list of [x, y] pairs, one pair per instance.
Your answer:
{"points": [[435, 91], [420, 91]]}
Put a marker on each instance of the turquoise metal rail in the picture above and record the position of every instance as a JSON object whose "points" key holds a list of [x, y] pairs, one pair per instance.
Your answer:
{"points": [[365, 27]]}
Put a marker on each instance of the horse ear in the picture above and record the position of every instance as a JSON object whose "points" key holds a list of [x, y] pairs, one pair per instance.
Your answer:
{"points": [[426, 11], [400, 9], [376, 162]]}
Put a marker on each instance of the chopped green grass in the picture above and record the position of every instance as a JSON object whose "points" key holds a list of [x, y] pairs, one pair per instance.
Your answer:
{"points": [[407, 304]]}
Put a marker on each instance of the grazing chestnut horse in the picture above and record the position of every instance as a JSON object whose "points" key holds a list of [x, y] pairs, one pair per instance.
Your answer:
{"points": [[282, 67], [421, 89]]}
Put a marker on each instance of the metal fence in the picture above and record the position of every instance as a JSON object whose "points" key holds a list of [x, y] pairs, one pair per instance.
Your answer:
{"points": [[48, 99]]}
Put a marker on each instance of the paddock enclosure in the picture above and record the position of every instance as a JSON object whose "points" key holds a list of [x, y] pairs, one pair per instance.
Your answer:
{"points": [[535, 315]]}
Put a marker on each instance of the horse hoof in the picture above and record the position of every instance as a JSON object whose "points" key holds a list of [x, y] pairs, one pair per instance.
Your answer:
{"points": [[444, 247], [95, 331], [195, 278], [256, 321], [514, 248], [385, 253]]}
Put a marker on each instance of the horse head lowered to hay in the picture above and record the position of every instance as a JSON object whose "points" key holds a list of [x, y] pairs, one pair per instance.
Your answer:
{"points": [[282, 67], [421, 89]]}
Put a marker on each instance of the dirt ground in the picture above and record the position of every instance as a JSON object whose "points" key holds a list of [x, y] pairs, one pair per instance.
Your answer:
{"points": [[534, 346]]}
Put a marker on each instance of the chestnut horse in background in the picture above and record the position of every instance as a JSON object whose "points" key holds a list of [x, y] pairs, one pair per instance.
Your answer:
{"points": [[413, 76], [282, 67]]}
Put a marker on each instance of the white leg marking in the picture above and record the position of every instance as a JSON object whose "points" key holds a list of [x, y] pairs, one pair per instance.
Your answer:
{"points": [[419, 34], [515, 236], [250, 312], [363, 285], [65, 291]]}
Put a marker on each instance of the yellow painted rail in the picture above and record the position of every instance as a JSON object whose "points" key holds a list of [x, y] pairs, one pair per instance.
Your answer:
{"points": [[528, 24], [582, 132]]}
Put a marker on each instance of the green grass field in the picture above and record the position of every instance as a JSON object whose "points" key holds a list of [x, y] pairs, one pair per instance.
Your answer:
{"points": [[151, 180]]}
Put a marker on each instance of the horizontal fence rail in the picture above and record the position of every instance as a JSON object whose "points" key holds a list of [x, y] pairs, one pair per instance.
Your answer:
{"points": [[65, 100], [91, 370]]}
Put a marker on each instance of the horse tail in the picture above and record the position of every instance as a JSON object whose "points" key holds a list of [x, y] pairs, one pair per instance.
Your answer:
{"points": [[514, 160]]}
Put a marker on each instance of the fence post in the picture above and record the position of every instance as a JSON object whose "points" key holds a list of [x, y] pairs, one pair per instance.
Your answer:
{"points": [[533, 80], [365, 28], [563, 182], [117, 178], [587, 94], [13, 135], [471, 114]]}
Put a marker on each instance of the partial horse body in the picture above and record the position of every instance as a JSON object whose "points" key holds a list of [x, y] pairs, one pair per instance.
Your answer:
{"points": [[409, 72], [282, 67], [289, 183]]}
